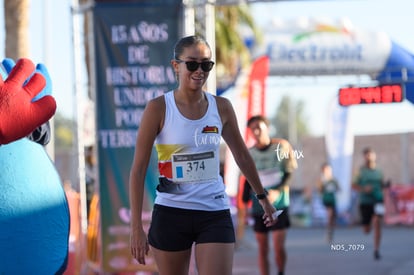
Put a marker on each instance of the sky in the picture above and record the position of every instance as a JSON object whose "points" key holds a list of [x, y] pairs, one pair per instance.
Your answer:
{"points": [[51, 39]]}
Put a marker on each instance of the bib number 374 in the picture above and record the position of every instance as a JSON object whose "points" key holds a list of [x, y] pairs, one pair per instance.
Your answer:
{"points": [[189, 168]]}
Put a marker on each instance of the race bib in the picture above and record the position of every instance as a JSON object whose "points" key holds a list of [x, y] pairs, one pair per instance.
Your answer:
{"points": [[379, 209], [190, 168], [330, 187], [270, 177]]}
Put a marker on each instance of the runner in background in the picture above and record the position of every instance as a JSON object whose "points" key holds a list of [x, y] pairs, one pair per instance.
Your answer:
{"points": [[328, 186], [275, 162], [369, 182]]}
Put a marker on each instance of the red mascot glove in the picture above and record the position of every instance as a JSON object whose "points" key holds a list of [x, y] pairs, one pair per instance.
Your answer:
{"points": [[19, 116]]}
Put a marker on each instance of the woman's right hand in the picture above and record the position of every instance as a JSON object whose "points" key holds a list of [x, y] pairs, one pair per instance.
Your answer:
{"points": [[139, 245]]}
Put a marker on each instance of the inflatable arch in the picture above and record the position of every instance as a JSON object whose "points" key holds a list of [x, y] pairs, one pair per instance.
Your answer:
{"points": [[310, 47]]}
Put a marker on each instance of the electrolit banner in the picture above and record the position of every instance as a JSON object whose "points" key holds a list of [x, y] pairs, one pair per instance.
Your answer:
{"points": [[134, 43], [311, 47]]}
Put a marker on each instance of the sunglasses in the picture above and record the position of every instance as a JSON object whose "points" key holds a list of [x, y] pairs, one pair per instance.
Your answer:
{"points": [[192, 66]]}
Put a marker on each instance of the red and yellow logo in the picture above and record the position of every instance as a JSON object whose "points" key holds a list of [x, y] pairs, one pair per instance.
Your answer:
{"points": [[210, 130]]}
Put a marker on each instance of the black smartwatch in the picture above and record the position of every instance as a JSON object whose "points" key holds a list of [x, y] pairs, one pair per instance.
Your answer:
{"points": [[262, 196]]}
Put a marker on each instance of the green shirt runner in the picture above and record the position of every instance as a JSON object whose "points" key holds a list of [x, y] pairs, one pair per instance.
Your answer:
{"points": [[370, 177], [272, 163]]}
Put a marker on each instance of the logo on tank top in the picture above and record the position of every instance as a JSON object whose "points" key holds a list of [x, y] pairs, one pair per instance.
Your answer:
{"points": [[205, 137], [210, 129]]}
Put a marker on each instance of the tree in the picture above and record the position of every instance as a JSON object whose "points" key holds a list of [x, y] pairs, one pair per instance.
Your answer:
{"points": [[290, 120], [64, 136], [16, 15], [232, 24], [232, 53]]}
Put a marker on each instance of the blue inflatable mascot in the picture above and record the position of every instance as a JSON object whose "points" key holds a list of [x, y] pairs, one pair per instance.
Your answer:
{"points": [[34, 213]]}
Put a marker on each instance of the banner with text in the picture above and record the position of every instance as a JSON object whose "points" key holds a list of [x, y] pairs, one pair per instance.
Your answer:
{"points": [[134, 44], [399, 204], [339, 143]]}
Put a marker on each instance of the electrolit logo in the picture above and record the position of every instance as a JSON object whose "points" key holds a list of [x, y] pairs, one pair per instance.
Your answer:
{"points": [[338, 45], [321, 28]]}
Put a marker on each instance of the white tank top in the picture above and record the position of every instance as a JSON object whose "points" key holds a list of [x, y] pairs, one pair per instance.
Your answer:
{"points": [[188, 159]]}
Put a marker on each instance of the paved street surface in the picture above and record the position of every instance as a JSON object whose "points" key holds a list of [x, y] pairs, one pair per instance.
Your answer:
{"points": [[310, 254]]}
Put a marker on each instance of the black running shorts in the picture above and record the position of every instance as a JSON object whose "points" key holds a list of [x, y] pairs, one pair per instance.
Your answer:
{"points": [[283, 222], [176, 229]]}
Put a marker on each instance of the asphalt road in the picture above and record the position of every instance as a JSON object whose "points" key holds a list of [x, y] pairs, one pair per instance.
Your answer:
{"points": [[351, 253]]}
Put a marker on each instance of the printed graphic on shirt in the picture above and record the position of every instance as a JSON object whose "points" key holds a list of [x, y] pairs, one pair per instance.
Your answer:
{"points": [[164, 157], [210, 129]]}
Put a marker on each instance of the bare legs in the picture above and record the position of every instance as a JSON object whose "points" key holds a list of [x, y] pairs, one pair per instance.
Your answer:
{"points": [[263, 258], [172, 262], [214, 258], [377, 232], [278, 239], [211, 258], [331, 222], [376, 223]]}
